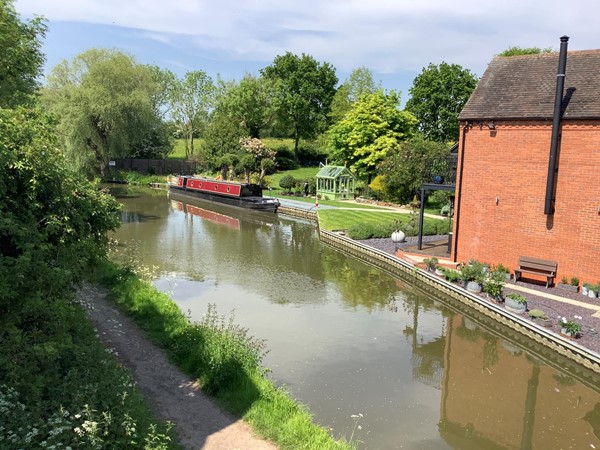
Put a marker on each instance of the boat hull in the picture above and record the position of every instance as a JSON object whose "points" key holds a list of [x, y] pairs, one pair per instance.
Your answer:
{"points": [[252, 202]]}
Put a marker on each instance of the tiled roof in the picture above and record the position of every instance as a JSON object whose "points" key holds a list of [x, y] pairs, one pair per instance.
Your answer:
{"points": [[523, 87]]}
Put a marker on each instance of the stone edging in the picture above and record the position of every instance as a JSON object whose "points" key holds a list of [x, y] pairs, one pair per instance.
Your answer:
{"points": [[397, 267], [468, 302], [297, 212]]}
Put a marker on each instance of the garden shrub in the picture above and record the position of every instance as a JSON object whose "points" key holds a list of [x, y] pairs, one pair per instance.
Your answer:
{"points": [[287, 183]]}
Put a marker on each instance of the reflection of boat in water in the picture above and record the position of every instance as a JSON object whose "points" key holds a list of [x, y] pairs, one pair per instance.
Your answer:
{"points": [[243, 195], [211, 216]]}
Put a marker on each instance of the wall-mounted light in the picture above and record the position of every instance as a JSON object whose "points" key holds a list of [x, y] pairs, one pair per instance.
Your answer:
{"points": [[492, 125]]}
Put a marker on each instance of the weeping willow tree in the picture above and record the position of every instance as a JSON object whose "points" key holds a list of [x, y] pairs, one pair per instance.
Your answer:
{"points": [[104, 102]]}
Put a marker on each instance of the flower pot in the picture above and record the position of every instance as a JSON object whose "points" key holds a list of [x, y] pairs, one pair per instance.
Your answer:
{"points": [[474, 287], [584, 290], [439, 272], [566, 333], [568, 287], [514, 306], [544, 322], [591, 294]]}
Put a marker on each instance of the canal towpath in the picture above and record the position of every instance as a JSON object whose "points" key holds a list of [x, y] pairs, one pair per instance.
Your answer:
{"points": [[172, 395]]}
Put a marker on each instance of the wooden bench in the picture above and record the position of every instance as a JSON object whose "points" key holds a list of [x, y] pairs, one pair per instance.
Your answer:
{"points": [[536, 266]]}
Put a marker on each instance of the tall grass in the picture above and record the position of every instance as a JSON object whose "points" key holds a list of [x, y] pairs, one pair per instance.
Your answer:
{"points": [[223, 357]]}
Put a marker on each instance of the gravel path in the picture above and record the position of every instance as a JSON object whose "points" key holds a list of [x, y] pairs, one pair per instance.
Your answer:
{"points": [[590, 333], [171, 394]]}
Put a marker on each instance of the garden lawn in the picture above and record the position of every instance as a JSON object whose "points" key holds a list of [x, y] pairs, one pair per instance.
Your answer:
{"points": [[377, 224], [337, 203], [179, 149], [342, 219]]}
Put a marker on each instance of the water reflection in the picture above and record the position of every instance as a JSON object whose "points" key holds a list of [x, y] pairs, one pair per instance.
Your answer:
{"points": [[496, 395], [346, 338]]}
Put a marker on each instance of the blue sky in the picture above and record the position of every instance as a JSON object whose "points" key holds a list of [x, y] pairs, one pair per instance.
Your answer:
{"points": [[393, 38]]}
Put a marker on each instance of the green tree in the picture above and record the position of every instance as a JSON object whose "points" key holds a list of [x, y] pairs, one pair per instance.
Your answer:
{"points": [[21, 57], [53, 223], [103, 100], [252, 104], [305, 91], [406, 169], [341, 104], [438, 94], [163, 83], [222, 137], [360, 82], [517, 51], [371, 131], [192, 98]]}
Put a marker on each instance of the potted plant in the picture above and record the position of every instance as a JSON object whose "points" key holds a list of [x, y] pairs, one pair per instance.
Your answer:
{"points": [[431, 263], [450, 274], [473, 275], [515, 302], [572, 286], [570, 327], [494, 284], [539, 316], [593, 290]]}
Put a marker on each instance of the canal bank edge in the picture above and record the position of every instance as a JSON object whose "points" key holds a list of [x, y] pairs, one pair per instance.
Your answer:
{"points": [[393, 265], [430, 282]]}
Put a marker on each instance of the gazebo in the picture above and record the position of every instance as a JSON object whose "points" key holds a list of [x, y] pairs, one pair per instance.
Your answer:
{"points": [[335, 183]]}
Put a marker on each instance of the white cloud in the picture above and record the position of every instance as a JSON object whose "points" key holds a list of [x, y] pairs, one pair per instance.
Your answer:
{"points": [[387, 36]]}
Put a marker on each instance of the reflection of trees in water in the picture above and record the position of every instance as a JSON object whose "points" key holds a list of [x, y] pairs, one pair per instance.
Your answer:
{"points": [[358, 283], [593, 418]]}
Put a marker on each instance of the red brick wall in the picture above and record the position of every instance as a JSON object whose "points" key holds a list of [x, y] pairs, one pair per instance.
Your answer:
{"points": [[501, 211]]}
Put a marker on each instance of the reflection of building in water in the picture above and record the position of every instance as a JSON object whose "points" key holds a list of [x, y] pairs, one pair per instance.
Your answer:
{"points": [[428, 362], [495, 396], [427, 357]]}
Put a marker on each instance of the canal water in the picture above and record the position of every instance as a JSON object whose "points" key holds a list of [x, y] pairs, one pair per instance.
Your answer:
{"points": [[376, 359]]}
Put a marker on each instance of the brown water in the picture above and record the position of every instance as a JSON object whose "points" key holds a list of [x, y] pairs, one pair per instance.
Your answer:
{"points": [[414, 370]]}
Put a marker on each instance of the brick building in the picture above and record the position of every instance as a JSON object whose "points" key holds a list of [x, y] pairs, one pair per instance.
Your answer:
{"points": [[503, 165]]}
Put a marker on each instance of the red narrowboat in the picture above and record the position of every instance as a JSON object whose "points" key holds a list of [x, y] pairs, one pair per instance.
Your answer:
{"points": [[243, 195]]}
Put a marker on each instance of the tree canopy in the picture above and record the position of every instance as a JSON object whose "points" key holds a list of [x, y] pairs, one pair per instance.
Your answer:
{"points": [[53, 223], [103, 100], [360, 82], [438, 94], [372, 130], [251, 104], [405, 169], [305, 91], [192, 98], [21, 57]]}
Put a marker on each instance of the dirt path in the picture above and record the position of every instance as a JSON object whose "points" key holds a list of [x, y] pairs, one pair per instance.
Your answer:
{"points": [[170, 393]]}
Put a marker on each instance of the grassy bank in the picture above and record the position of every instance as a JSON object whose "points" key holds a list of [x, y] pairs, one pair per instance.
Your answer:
{"points": [[223, 357], [60, 388]]}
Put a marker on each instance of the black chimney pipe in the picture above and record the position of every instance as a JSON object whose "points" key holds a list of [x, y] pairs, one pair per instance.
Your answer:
{"points": [[560, 85]]}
